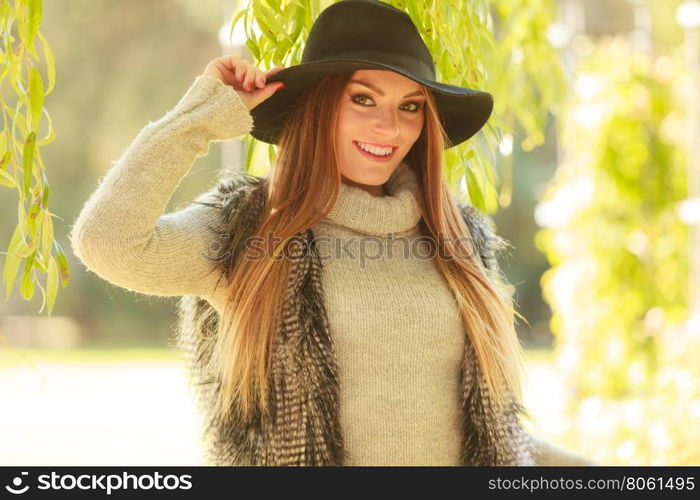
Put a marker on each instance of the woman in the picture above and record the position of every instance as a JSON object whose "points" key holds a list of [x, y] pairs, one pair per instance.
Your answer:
{"points": [[344, 310]]}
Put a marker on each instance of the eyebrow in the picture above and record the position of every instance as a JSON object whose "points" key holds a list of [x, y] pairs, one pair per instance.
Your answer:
{"points": [[380, 92]]}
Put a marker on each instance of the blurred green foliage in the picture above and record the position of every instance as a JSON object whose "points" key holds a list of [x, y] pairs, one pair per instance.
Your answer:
{"points": [[21, 166], [119, 65], [619, 277]]}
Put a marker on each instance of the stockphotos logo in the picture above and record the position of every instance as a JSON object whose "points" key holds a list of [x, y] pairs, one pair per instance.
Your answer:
{"points": [[107, 483], [17, 487]]}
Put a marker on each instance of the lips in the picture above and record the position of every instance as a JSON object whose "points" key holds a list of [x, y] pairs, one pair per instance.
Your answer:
{"points": [[371, 156]]}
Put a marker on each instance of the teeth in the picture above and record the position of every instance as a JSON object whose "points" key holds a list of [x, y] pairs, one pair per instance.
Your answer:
{"points": [[375, 150]]}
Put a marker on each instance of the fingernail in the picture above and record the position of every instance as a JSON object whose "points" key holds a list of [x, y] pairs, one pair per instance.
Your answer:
{"points": [[280, 87]]}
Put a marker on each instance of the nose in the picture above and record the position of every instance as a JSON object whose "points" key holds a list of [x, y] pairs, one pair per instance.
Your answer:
{"points": [[386, 123]]}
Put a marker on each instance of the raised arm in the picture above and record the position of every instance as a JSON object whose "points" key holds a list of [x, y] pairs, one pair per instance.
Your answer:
{"points": [[121, 233]]}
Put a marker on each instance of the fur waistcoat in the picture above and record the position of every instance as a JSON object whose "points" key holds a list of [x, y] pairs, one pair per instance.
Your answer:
{"points": [[303, 427]]}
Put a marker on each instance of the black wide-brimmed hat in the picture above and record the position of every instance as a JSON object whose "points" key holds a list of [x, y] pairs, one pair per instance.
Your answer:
{"points": [[369, 34]]}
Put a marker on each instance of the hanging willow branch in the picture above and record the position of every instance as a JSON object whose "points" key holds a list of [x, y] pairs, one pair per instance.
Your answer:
{"points": [[21, 167], [499, 46]]}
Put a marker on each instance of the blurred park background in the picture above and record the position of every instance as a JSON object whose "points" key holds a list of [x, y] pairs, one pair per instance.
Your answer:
{"points": [[602, 210]]}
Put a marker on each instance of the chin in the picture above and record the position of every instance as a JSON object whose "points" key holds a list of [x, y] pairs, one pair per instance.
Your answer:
{"points": [[374, 179]]}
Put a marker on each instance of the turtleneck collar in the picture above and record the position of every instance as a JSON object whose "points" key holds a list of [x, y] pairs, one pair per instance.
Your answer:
{"points": [[395, 212]]}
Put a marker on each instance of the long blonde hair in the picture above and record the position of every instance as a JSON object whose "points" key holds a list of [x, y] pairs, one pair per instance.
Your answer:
{"points": [[302, 188]]}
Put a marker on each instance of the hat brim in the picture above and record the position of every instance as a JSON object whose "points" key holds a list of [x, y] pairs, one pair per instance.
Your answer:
{"points": [[463, 111]]}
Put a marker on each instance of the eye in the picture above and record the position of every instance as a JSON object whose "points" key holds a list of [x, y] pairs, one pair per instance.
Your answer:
{"points": [[416, 106], [413, 106], [357, 98]]}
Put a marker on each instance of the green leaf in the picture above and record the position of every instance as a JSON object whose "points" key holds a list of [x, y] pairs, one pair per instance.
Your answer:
{"points": [[12, 261], [249, 154], [43, 296], [27, 283], [35, 7], [36, 98], [29, 264], [63, 268], [475, 194], [40, 265], [33, 218], [275, 7], [50, 64], [484, 185], [282, 48], [239, 15], [28, 161], [45, 195], [18, 119], [9, 273], [46, 234], [26, 288], [300, 4], [49, 137], [267, 21], [51, 284], [252, 45], [21, 20], [18, 245], [241, 12]]}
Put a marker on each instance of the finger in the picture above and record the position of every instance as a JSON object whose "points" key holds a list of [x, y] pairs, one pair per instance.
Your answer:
{"points": [[227, 76], [261, 94], [274, 70], [227, 73], [241, 70], [217, 71], [249, 79], [260, 79]]}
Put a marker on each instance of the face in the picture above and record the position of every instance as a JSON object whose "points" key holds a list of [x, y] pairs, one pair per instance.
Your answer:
{"points": [[381, 111]]}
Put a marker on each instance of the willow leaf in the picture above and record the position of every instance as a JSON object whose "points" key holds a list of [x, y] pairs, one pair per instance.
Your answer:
{"points": [[51, 284], [28, 161]]}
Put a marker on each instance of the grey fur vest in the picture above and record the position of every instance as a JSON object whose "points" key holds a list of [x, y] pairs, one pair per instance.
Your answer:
{"points": [[304, 428]]}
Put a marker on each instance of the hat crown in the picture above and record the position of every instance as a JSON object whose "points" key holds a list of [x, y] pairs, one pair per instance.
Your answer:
{"points": [[368, 30]]}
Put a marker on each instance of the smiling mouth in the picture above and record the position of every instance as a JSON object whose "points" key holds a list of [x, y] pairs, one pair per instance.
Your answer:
{"points": [[372, 156]]}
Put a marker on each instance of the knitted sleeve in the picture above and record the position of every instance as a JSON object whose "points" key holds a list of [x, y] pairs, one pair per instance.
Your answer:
{"points": [[547, 454], [121, 233]]}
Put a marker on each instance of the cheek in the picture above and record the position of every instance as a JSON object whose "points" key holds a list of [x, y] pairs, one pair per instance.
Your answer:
{"points": [[346, 128], [349, 121], [413, 129]]}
